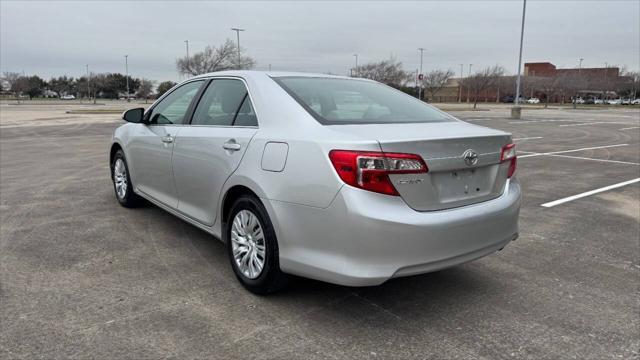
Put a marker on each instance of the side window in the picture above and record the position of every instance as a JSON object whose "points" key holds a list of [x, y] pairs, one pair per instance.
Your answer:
{"points": [[222, 103], [173, 108], [246, 116]]}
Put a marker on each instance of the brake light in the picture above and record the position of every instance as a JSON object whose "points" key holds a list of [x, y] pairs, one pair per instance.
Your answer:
{"points": [[508, 153], [370, 170]]}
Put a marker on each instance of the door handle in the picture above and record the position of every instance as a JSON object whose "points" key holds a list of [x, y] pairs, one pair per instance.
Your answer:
{"points": [[231, 145], [168, 139]]}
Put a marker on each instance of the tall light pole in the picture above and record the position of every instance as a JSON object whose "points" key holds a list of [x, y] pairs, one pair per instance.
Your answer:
{"points": [[88, 81], [468, 88], [356, 71], [580, 66], [237, 30], [186, 42], [460, 83], [515, 111], [126, 67], [421, 83]]}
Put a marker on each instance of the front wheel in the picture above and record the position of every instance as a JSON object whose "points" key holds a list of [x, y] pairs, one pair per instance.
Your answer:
{"points": [[253, 247], [122, 181]]}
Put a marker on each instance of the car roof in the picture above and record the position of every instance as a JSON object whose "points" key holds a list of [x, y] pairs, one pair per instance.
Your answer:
{"points": [[274, 74]]}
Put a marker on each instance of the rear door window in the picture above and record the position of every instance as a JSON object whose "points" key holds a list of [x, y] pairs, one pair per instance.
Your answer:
{"points": [[225, 103]]}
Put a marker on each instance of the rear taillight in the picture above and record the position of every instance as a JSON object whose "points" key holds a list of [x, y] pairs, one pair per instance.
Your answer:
{"points": [[508, 153], [370, 170]]}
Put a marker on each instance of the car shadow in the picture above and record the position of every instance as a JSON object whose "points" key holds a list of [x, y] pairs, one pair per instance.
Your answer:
{"points": [[451, 289]]}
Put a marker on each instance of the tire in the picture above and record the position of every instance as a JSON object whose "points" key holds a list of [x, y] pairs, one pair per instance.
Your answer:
{"points": [[120, 176], [269, 278]]}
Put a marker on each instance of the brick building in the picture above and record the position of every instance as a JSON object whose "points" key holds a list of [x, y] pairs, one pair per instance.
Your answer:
{"points": [[594, 82], [547, 69]]}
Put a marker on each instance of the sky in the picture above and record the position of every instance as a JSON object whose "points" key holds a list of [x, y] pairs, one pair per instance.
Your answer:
{"points": [[60, 37]]}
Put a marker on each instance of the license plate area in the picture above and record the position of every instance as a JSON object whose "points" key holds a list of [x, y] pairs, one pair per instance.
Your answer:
{"points": [[462, 184]]}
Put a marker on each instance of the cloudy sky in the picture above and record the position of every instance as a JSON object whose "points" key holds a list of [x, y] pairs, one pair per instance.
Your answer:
{"points": [[58, 37]]}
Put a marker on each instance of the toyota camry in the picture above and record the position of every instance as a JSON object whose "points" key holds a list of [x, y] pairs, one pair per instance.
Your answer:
{"points": [[338, 179]]}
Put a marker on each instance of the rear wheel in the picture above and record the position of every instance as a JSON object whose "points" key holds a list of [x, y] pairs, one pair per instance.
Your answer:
{"points": [[253, 247], [122, 181]]}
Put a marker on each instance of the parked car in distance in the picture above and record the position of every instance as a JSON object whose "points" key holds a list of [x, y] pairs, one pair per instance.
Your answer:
{"points": [[625, 101], [511, 98], [533, 100], [598, 101], [338, 179], [580, 101], [614, 101], [67, 97], [635, 101]]}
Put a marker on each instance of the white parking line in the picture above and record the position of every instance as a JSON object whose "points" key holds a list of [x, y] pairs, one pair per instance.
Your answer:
{"points": [[588, 193], [539, 121], [594, 159], [629, 128], [527, 138], [568, 151], [595, 122]]}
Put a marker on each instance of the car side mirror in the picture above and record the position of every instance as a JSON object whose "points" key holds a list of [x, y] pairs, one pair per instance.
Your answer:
{"points": [[135, 115]]}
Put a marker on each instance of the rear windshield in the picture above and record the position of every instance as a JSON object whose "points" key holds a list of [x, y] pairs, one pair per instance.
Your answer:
{"points": [[345, 101]]}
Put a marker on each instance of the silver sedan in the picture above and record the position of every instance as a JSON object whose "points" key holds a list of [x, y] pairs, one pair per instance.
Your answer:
{"points": [[338, 179]]}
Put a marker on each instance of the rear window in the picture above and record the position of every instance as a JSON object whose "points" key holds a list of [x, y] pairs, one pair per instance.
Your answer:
{"points": [[345, 101]]}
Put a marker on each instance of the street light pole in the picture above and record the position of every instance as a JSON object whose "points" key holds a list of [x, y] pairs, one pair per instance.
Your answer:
{"points": [[460, 83], [188, 59], [516, 113], [126, 66], [421, 83], [88, 83], [356, 71], [468, 88], [237, 30]]}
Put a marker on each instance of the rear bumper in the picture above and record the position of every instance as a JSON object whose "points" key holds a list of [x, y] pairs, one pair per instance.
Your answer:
{"points": [[364, 238]]}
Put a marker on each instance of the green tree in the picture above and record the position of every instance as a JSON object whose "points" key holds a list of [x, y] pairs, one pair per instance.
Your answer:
{"points": [[34, 86], [164, 87], [62, 85]]}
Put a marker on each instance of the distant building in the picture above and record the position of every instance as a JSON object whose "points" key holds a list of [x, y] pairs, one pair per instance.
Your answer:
{"points": [[547, 69], [594, 82]]}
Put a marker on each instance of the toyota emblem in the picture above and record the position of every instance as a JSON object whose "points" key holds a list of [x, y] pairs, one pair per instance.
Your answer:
{"points": [[470, 157]]}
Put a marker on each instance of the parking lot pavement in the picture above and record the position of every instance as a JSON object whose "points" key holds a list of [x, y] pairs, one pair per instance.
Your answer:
{"points": [[83, 277]]}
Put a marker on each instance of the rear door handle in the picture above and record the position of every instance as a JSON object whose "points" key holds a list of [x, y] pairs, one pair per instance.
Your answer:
{"points": [[167, 139], [231, 145]]}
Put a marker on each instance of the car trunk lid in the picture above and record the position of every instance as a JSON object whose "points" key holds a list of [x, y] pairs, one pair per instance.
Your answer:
{"points": [[454, 177]]}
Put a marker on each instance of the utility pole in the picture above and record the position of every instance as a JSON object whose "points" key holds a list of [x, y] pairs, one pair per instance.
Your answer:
{"points": [[580, 66], [237, 30], [468, 88], [421, 83], [356, 70], [126, 66], [88, 81], [460, 83], [188, 59], [515, 110]]}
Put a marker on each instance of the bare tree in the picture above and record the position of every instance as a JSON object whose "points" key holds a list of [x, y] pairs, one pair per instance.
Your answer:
{"points": [[483, 80], [17, 82], [550, 87], [145, 89], [223, 57], [388, 71], [435, 80]]}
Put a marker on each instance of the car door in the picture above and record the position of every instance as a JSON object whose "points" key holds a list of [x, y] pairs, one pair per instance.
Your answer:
{"points": [[207, 151], [151, 145]]}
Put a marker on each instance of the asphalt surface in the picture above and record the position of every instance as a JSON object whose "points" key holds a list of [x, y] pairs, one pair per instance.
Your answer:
{"points": [[83, 277]]}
